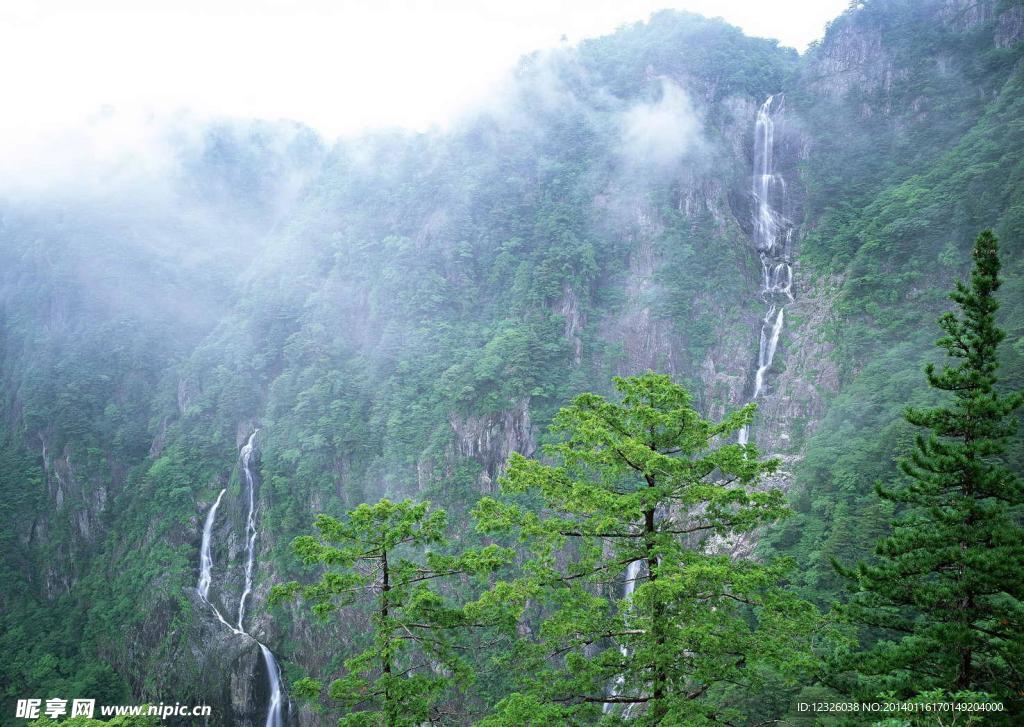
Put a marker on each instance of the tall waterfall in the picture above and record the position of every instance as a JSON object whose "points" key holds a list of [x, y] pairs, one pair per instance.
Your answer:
{"points": [[632, 575], [250, 525], [205, 558], [773, 240], [275, 711], [206, 562]]}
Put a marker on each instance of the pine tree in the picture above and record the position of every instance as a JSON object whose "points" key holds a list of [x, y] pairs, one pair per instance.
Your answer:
{"points": [[380, 556], [641, 613], [944, 593]]}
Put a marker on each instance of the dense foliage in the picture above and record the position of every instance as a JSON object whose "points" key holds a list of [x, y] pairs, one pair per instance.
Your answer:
{"points": [[402, 313], [384, 552], [946, 590], [640, 488]]}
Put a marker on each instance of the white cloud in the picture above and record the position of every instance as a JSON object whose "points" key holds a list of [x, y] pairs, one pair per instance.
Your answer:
{"points": [[659, 135], [109, 152], [339, 65]]}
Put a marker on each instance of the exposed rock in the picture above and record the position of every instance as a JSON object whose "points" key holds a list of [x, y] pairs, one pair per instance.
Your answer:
{"points": [[188, 391], [852, 57], [804, 375], [243, 429], [489, 439], [1010, 27], [726, 369], [744, 545], [159, 439], [215, 652], [648, 340], [424, 471], [569, 307], [856, 56], [1006, 19]]}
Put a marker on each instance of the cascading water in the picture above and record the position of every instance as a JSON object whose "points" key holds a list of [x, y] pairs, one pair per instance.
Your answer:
{"points": [[206, 562], [205, 558], [275, 715], [275, 712], [773, 239], [632, 575], [250, 526], [769, 342]]}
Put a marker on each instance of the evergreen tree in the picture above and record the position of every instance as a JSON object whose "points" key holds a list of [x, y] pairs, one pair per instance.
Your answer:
{"points": [[642, 613], [384, 556], [945, 590]]}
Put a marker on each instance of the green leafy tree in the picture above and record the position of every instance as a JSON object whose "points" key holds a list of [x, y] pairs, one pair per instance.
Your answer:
{"points": [[386, 557], [945, 590], [647, 488]]}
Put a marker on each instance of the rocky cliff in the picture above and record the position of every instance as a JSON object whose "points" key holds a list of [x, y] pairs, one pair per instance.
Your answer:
{"points": [[424, 305]]}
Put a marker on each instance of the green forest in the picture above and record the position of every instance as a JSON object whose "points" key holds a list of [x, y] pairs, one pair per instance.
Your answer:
{"points": [[678, 382]]}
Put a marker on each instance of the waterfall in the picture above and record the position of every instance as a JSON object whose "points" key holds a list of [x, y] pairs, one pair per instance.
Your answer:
{"points": [[768, 192], [632, 574], [275, 713], [769, 341], [250, 525], [275, 717], [205, 558], [206, 562]]}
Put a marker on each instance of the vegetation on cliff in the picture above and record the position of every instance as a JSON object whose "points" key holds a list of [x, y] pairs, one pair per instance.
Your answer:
{"points": [[403, 313]]}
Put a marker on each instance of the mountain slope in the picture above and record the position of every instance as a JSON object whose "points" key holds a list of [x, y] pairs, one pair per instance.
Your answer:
{"points": [[399, 313]]}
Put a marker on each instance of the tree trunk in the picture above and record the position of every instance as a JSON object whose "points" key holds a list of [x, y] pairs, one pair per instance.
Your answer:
{"points": [[657, 708]]}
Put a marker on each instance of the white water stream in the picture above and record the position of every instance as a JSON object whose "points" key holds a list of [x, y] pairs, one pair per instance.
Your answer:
{"points": [[205, 558], [773, 239], [632, 575], [275, 711], [250, 526]]}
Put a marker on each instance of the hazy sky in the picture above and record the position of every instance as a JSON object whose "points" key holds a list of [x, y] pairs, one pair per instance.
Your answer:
{"points": [[338, 65]]}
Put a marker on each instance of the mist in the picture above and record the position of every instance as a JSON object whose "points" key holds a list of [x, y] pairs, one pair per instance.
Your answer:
{"points": [[195, 205], [657, 136], [262, 262]]}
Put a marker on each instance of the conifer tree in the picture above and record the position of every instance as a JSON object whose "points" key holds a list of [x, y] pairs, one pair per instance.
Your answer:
{"points": [[944, 592], [642, 613], [385, 557]]}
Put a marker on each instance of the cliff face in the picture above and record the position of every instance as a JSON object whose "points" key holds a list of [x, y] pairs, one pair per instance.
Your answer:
{"points": [[862, 67], [489, 439], [618, 315], [864, 52], [429, 302], [806, 374], [1005, 20]]}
